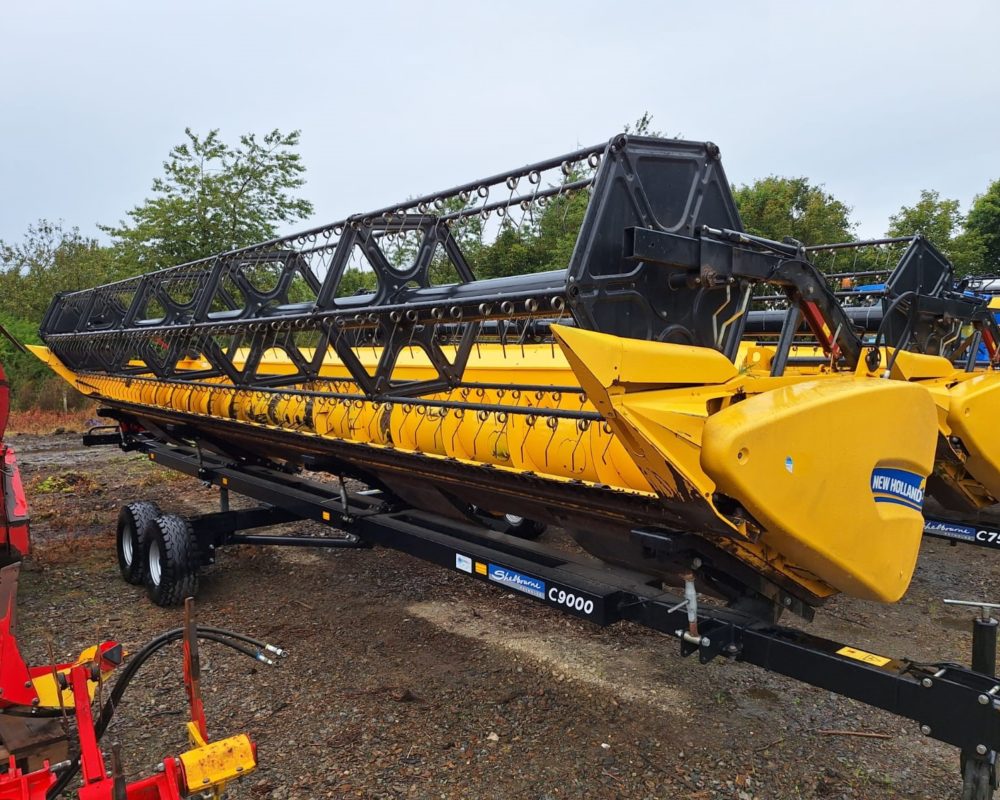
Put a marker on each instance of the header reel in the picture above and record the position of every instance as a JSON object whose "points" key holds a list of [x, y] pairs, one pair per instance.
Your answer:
{"points": [[633, 196]]}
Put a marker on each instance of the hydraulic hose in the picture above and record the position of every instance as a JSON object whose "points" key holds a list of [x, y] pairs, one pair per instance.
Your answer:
{"points": [[879, 335], [219, 635]]}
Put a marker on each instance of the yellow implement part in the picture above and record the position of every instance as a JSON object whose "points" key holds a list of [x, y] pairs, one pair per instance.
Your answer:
{"points": [[789, 450], [49, 359], [918, 367], [967, 470], [47, 691], [658, 426], [660, 401], [630, 364], [802, 461], [562, 449], [211, 766], [974, 401]]}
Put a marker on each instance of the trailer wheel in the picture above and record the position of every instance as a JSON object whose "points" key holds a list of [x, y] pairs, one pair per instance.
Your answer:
{"points": [[134, 521], [171, 561], [522, 527], [977, 783], [511, 524]]}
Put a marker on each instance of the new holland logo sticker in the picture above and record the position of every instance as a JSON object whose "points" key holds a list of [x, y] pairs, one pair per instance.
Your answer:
{"points": [[898, 486]]}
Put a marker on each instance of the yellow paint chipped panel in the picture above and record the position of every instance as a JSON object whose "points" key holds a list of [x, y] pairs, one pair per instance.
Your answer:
{"points": [[217, 763]]}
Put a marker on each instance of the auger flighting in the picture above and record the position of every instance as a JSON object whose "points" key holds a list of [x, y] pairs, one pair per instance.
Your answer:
{"points": [[605, 395]]}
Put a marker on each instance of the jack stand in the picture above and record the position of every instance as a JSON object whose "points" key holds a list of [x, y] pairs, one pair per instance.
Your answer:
{"points": [[978, 765], [690, 602]]}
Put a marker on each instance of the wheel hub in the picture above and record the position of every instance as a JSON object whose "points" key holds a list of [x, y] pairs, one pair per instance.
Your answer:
{"points": [[154, 562], [128, 545]]}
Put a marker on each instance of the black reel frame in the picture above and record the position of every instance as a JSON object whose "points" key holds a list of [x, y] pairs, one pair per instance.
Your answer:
{"points": [[647, 264], [920, 307]]}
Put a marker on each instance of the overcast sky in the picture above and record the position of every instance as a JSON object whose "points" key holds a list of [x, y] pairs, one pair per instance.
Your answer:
{"points": [[874, 100]]}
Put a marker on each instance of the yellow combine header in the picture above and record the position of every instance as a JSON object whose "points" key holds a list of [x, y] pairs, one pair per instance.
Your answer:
{"points": [[610, 395]]}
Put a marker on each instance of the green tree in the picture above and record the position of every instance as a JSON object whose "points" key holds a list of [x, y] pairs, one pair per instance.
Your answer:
{"points": [[356, 281], [942, 222], [47, 259], [776, 207], [29, 379], [643, 126], [935, 218], [214, 197], [539, 241], [983, 224], [515, 251]]}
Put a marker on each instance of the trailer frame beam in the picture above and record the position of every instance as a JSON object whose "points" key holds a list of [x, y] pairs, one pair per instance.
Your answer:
{"points": [[951, 703]]}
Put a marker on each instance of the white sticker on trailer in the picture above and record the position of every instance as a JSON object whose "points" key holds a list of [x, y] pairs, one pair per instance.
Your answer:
{"points": [[463, 563]]}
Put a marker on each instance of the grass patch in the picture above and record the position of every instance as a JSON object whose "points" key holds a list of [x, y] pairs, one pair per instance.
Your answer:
{"points": [[37, 422], [61, 482]]}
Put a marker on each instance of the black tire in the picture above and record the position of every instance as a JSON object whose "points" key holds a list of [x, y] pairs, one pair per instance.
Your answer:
{"points": [[172, 561], [134, 521], [977, 781], [522, 527]]}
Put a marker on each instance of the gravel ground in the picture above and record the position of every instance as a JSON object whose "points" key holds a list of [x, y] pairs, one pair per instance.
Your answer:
{"points": [[408, 681]]}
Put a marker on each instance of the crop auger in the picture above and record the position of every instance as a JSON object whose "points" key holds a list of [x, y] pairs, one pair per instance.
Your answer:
{"points": [[596, 380]]}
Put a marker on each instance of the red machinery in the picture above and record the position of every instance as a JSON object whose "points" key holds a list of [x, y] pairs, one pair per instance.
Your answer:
{"points": [[14, 541], [36, 704]]}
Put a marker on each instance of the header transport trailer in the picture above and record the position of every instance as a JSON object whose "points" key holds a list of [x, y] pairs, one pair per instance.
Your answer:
{"points": [[600, 394]]}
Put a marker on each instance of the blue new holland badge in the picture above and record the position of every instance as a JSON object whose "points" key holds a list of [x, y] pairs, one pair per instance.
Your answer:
{"points": [[898, 486]]}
